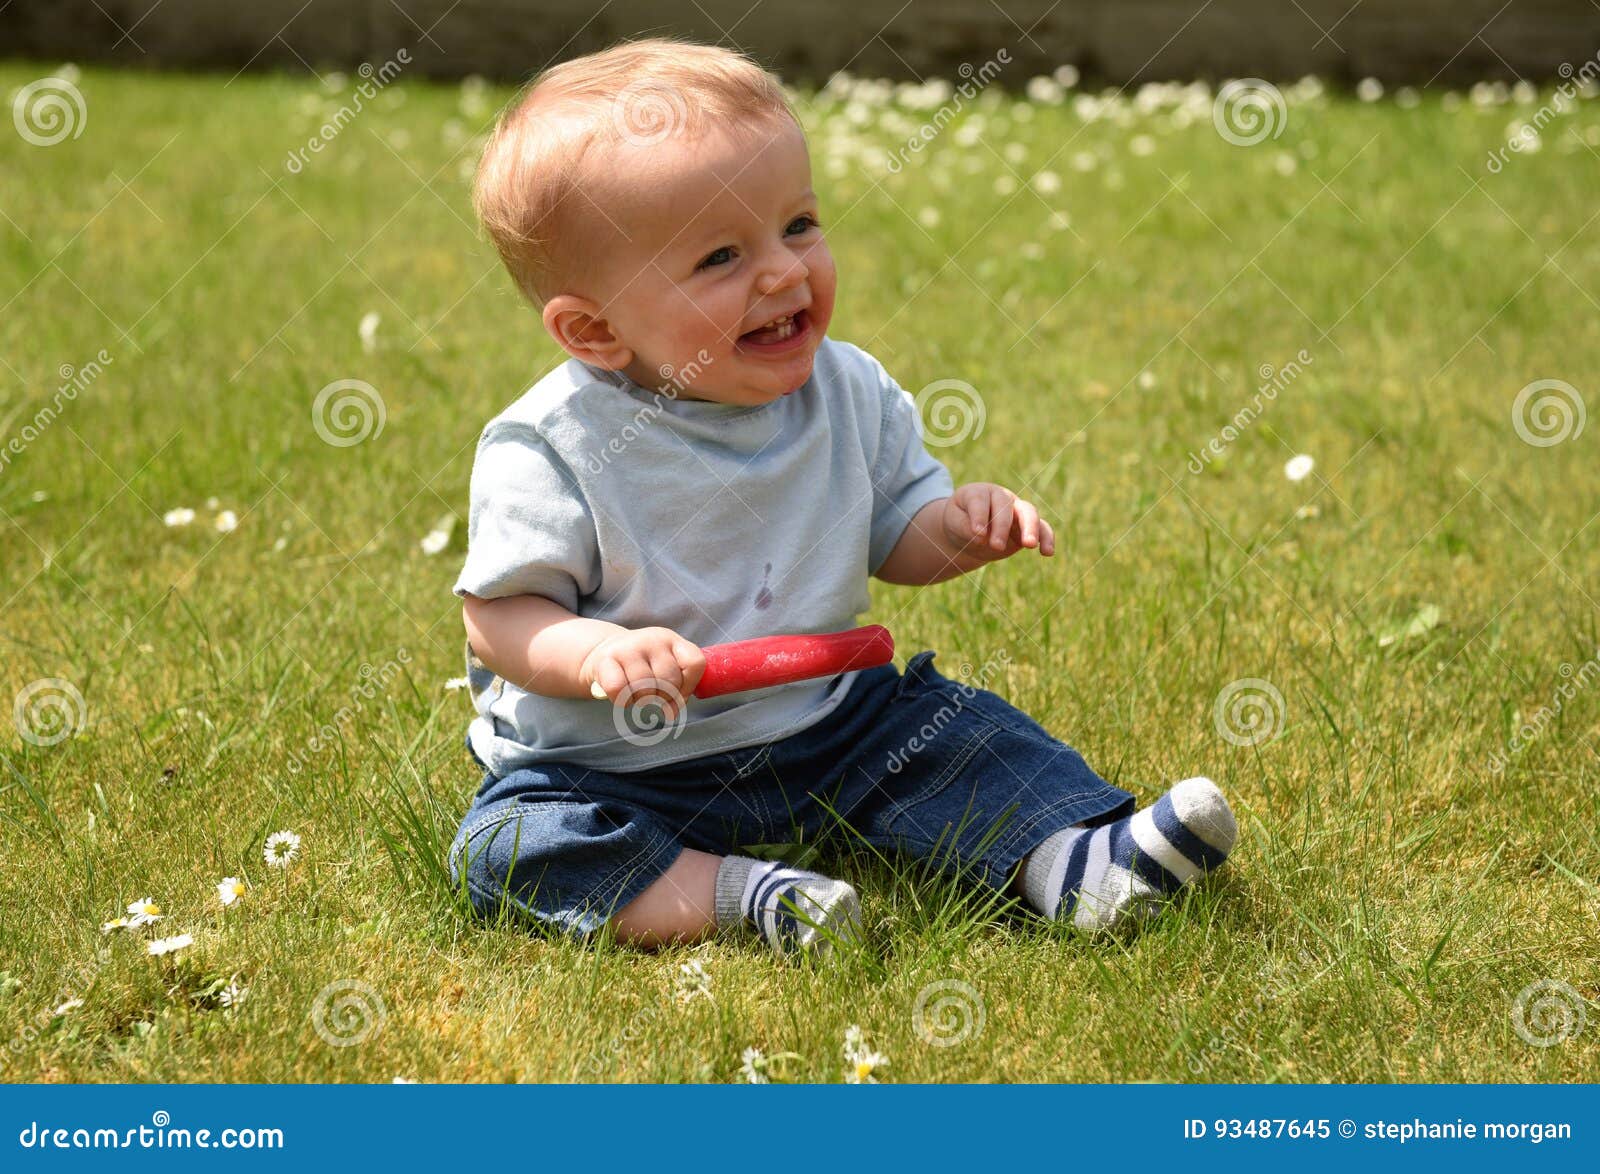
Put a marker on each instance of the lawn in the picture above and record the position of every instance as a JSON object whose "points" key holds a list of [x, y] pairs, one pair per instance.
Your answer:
{"points": [[1412, 750]]}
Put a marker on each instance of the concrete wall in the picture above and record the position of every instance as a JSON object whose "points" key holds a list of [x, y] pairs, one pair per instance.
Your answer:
{"points": [[1117, 41]]}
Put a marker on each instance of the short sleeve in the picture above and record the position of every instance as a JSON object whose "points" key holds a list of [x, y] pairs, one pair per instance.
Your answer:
{"points": [[529, 530], [905, 476]]}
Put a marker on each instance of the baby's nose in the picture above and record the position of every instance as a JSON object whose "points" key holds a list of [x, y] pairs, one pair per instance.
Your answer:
{"points": [[786, 276]]}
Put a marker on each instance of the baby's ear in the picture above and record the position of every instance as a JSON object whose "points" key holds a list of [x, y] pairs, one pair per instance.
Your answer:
{"points": [[576, 323]]}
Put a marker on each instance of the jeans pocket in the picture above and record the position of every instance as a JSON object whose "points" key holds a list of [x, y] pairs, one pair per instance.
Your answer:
{"points": [[919, 674], [925, 812]]}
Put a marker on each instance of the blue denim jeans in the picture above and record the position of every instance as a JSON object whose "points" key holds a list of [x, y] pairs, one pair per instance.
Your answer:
{"points": [[915, 763]]}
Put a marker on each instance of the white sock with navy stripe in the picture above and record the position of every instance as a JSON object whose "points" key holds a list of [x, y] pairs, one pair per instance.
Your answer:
{"points": [[794, 910], [1097, 877]]}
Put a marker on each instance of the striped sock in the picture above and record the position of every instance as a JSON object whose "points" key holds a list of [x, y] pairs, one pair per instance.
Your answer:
{"points": [[1098, 877], [793, 910]]}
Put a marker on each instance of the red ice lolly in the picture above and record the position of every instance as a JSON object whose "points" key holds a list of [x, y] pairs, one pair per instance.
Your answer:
{"points": [[780, 660]]}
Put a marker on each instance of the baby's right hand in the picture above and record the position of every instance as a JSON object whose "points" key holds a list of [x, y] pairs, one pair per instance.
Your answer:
{"points": [[647, 662]]}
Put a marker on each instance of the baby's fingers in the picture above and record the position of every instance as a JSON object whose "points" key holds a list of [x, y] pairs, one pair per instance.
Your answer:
{"points": [[976, 506], [1001, 503], [610, 679], [1027, 523], [691, 662], [666, 681]]}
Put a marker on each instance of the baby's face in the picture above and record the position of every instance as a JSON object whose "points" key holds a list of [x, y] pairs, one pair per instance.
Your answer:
{"points": [[716, 275]]}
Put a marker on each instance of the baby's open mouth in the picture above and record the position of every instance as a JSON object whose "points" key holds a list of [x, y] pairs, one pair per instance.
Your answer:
{"points": [[779, 334]]}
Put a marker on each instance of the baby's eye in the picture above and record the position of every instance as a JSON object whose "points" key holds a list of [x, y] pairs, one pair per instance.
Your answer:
{"points": [[802, 224], [716, 257]]}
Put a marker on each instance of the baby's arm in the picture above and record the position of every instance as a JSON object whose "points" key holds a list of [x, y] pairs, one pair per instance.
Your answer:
{"points": [[542, 647], [978, 524]]}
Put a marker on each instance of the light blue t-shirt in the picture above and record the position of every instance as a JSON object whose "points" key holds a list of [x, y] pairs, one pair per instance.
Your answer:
{"points": [[717, 521]]}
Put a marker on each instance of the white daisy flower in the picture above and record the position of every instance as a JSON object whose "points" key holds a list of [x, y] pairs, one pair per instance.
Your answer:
{"points": [[115, 924], [859, 1061], [161, 946], [227, 521], [1147, 379], [181, 516], [456, 683], [434, 541], [144, 911], [692, 982], [753, 1066], [69, 1005], [233, 994], [213, 502], [368, 331], [229, 889], [1369, 89], [1299, 467], [402, 1080], [280, 849]]}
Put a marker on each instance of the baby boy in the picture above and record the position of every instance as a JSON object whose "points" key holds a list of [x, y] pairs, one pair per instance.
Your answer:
{"points": [[708, 465]]}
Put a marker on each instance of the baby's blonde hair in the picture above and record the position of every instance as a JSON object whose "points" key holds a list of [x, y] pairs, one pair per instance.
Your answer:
{"points": [[638, 91]]}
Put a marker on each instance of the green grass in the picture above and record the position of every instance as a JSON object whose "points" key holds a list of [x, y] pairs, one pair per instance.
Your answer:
{"points": [[1391, 894]]}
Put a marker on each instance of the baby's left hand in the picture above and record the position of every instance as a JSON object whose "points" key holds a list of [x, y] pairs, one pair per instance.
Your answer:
{"points": [[990, 522]]}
